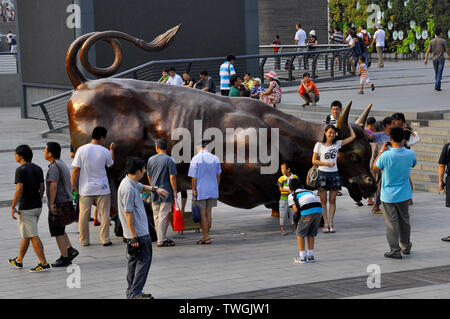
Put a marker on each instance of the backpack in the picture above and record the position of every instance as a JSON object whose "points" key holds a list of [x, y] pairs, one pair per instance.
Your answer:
{"points": [[357, 49], [366, 38]]}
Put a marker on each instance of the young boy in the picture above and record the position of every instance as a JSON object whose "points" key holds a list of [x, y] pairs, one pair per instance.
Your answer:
{"points": [[308, 211], [283, 184], [371, 125], [364, 76], [29, 182]]}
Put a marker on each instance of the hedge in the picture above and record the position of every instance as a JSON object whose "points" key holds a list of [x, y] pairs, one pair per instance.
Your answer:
{"points": [[409, 24]]}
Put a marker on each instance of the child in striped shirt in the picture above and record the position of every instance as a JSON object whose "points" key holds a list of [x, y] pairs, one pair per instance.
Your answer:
{"points": [[364, 76]]}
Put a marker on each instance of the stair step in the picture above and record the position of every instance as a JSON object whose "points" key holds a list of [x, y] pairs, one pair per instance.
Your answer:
{"points": [[427, 157], [439, 123], [433, 131], [424, 176], [429, 148], [426, 167], [434, 139], [426, 186]]}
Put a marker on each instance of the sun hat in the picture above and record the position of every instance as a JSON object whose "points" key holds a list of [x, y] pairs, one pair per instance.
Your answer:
{"points": [[312, 32], [272, 74], [257, 79]]}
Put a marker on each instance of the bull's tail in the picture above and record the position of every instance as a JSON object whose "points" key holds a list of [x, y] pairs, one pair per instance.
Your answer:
{"points": [[86, 41]]}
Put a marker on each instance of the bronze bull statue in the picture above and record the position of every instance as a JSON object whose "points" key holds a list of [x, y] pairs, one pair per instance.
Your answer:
{"points": [[136, 113]]}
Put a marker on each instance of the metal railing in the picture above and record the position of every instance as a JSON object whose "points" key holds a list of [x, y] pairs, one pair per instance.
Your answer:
{"points": [[320, 63], [8, 63]]}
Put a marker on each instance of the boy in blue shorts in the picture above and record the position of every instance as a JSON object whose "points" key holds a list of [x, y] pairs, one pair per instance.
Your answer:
{"points": [[308, 211]]}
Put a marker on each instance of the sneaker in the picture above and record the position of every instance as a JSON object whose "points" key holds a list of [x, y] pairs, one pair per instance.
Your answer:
{"points": [[40, 268], [393, 255], [72, 252], [300, 260], [311, 259], [107, 244], [96, 222], [407, 250], [61, 262], [372, 87], [359, 204], [446, 239], [15, 263], [145, 296]]}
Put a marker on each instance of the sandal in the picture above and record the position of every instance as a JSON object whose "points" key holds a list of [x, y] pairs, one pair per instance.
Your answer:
{"points": [[332, 230], [166, 243], [204, 241], [325, 228]]}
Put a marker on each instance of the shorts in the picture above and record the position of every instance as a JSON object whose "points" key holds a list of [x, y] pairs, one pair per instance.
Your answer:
{"points": [[308, 225], [206, 203], [27, 221], [363, 79], [329, 180], [55, 230], [286, 214], [317, 97]]}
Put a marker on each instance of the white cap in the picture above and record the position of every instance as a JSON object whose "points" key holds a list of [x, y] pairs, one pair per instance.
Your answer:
{"points": [[312, 32]]}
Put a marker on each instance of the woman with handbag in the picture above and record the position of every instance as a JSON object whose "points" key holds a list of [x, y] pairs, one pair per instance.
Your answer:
{"points": [[60, 205], [325, 157]]}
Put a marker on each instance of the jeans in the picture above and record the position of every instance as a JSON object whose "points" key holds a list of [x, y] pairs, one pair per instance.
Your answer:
{"points": [[438, 70], [138, 268], [398, 228]]}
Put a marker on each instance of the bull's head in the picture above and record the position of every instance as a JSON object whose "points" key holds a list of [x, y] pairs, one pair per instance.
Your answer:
{"points": [[354, 158]]}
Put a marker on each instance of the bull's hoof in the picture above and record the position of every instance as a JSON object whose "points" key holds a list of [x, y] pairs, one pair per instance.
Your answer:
{"points": [[275, 213]]}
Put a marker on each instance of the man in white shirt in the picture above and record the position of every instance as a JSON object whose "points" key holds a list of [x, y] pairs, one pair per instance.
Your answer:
{"points": [[89, 165], [174, 79], [9, 38], [379, 37], [300, 39]]}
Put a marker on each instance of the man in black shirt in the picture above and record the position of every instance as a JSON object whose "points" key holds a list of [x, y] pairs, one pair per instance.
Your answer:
{"points": [[29, 182], [444, 160]]}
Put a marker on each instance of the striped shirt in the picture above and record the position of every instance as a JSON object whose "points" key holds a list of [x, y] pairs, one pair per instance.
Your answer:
{"points": [[226, 71], [308, 203], [363, 70], [337, 38]]}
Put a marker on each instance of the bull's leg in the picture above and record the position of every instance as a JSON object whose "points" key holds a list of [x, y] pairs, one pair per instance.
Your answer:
{"points": [[275, 207]]}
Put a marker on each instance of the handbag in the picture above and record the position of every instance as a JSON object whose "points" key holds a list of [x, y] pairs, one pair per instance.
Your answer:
{"points": [[311, 177], [65, 212], [196, 217], [178, 221]]}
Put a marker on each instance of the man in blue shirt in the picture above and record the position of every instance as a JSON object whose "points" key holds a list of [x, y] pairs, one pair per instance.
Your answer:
{"points": [[396, 164], [205, 173], [380, 138]]}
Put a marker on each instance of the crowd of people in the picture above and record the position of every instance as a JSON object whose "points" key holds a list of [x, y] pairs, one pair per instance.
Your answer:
{"points": [[231, 84]]}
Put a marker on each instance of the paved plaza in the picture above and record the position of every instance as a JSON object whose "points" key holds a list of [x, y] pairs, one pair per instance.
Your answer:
{"points": [[248, 257]]}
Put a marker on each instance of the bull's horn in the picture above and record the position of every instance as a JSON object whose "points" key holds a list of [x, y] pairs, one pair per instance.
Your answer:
{"points": [[363, 118], [342, 124]]}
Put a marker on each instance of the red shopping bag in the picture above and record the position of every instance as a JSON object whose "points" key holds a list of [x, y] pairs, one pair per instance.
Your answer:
{"points": [[178, 221]]}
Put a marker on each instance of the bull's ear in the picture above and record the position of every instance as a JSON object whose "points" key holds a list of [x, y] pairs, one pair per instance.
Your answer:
{"points": [[363, 118], [342, 124]]}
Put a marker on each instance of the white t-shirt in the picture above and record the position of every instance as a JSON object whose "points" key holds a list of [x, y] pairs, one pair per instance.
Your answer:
{"points": [[9, 37], [175, 80], [349, 40], [300, 35], [379, 36], [328, 154], [92, 159]]}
